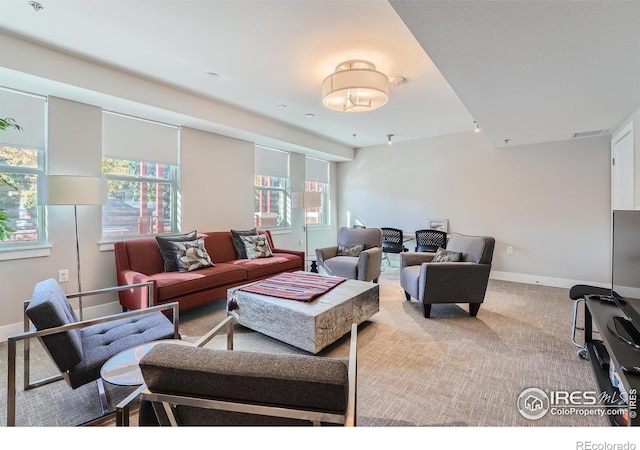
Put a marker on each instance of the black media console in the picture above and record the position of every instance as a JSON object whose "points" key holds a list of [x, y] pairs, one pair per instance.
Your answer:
{"points": [[610, 349]]}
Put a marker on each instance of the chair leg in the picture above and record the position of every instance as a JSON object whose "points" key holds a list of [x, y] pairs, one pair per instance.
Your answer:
{"points": [[474, 308], [104, 403], [426, 310], [406, 294]]}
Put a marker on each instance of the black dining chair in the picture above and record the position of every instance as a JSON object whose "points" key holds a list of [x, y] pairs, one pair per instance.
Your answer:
{"points": [[430, 240], [392, 242]]}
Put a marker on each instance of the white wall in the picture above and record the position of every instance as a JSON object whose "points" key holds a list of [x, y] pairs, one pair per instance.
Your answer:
{"points": [[551, 201], [217, 181]]}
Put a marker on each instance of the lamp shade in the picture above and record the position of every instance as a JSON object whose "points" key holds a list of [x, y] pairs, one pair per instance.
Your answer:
{"points": [[72, 190], [355, 86], [307, 199]]}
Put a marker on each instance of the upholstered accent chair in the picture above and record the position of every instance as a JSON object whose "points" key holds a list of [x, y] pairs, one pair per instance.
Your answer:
{"points": [[80, 348], [464, 281], [357, 255], [189, 386]]}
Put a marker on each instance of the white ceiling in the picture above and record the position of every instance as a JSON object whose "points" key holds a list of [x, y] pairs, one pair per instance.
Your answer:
{"points": [[526, 71]]}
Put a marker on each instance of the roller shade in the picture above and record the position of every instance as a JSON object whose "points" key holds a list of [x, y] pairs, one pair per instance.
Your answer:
{"points": [[316, 170], [272, 162], [29, 112], [130, 138]]}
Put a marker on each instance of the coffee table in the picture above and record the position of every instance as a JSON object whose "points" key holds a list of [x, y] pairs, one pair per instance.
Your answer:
{"points": [[310, 326]]}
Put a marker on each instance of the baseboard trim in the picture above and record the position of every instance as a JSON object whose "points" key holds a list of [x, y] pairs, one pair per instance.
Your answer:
{"points": [[542, 280], [89, 313]]}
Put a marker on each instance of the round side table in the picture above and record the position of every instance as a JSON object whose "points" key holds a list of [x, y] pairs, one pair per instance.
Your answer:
{"points": [[123, 368]]}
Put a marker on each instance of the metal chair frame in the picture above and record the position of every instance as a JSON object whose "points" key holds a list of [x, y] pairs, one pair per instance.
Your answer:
{"points": [[27, 335]]}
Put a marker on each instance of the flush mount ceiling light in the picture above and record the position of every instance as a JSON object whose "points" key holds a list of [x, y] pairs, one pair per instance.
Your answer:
{"points": [[355, 86]]}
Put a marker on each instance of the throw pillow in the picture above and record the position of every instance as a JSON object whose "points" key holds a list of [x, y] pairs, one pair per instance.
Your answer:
{"points": [[191, 255], [238, 244], [443, 255], [350, 250], [257, 246], [164, 243]]}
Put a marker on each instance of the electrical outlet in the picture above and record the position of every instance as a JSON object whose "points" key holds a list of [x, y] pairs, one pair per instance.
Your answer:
{"points": [[510, 250], [63, 275]]}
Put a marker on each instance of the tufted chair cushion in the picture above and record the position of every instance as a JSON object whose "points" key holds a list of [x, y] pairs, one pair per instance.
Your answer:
{"points": [[82, 352]]}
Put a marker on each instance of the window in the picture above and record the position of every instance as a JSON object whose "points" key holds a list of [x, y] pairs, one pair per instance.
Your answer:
{"points": [[141, 198], [272, 205], [22, 161], [317, 180], [140, 163]]}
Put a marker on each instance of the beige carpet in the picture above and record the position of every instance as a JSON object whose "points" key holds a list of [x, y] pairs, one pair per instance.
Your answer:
{"points": [[449, 370]]}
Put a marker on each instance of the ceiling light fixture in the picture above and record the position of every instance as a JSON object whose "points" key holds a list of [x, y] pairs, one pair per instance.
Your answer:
{"points": [[36, 6], [355, 86], [477, 128], [389, 141]]}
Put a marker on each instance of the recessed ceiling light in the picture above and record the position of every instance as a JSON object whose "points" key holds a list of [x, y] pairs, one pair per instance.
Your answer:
{"points": [[36, 6], [281, 106], [397, 81], [212, 74], [309, 116]]}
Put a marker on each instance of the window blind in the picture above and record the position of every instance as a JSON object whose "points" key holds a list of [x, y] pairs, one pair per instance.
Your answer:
{"points": [[130, 138], [29, 111], [272, 162], [316, 170]]}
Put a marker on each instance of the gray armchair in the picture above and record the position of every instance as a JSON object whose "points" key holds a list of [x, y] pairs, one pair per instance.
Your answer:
{"points": [[190, 386], [449, 282], [364, 265]]}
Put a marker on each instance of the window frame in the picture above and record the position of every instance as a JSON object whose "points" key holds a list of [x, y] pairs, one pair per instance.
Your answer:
{"points": [[285, 190], [172, 180]]}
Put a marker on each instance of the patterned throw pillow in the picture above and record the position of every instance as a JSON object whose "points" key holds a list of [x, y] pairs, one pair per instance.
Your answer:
{"points": [[256, 246], [350, 250], [191, 255], [443, 255], [238, 244], [164, 244]]}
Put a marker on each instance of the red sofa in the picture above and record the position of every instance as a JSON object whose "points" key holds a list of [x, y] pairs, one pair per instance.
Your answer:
{"points": [[139, 260]]}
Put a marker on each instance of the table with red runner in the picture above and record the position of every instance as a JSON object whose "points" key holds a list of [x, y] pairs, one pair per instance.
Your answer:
{"points": [[303, 287]]}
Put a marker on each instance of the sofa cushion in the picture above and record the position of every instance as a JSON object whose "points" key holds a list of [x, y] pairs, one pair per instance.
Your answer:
{"points": [[236, 236], [346, 266], [256, 247], [166, 250], [176, 284], [262, 267], [191, 255]]}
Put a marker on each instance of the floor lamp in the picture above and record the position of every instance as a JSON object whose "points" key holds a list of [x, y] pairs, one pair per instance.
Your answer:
{"points": [[307, 200], [73, 190]]}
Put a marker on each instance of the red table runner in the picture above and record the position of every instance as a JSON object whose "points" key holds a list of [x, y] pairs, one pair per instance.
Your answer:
{"points": [[294, 286]]}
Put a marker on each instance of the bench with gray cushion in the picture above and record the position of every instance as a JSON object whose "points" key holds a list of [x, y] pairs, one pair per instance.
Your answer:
{"points": [[80, 348], [464, 281], [201, 386]]}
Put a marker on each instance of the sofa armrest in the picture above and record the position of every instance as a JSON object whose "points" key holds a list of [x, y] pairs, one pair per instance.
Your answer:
{"points": [[446, 282], [369, 264], [298, 253], [415, 258], [322, 254], [134, 298]]}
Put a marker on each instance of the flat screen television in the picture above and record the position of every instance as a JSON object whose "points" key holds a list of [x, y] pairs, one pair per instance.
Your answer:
{"points": [[625, 279]]}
